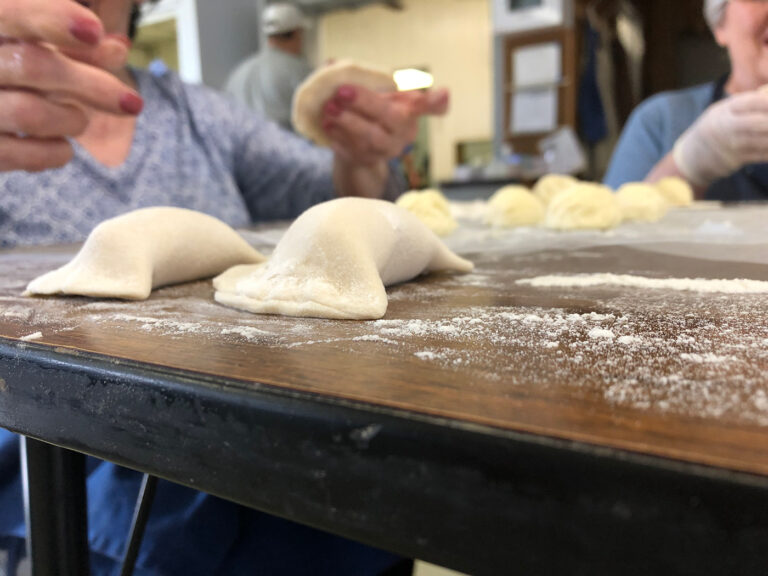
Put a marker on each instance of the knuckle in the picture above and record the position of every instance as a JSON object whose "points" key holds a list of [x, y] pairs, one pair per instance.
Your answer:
{"points": [[33, 68], [51, 155], [399, 115], [26, 113], [41, 156], [8, 11], [79, 122], [380, 142]]}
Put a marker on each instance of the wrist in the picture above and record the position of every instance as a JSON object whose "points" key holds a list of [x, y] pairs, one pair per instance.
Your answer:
{"points": [[358, 179]]}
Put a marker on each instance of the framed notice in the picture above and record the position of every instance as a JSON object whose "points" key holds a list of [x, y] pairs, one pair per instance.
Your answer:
{"points": [[511, 16], [539, 86]]}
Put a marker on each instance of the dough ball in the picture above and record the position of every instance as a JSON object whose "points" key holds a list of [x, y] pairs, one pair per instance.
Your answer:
{"points": [[551, 185], [432, 208], [335, 260], [319, 87], [126, 257], [514, 206], [641, 202], [676, 191], [585, 206]]}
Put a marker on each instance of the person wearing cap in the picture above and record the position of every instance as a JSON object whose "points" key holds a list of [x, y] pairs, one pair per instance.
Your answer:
{"points": [[715, 135], [266, 81]]}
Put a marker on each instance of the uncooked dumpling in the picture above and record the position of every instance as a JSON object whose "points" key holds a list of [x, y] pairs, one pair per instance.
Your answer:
{"points": [[583, 207], [315, 91], [432, 208], [126, 257], [513, 206], [549, 186], [641, 202], [676, 191], [335, 260]]}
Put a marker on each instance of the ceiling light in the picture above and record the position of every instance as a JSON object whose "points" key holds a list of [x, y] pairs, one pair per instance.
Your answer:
{"points": [[413, 79]]}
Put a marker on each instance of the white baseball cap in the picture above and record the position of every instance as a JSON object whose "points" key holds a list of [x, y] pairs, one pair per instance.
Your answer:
{"points": [[281, 18], [713, 12]]}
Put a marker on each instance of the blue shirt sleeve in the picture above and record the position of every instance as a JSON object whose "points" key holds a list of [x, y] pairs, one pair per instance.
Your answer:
{"points": [[279, 174], [640, 147], [652, 130]]}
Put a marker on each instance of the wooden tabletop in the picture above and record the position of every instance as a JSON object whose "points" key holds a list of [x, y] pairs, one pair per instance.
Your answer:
{"points": [[676, 375]]}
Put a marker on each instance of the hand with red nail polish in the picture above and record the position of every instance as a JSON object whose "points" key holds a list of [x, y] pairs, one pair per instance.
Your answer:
{"points": [[332, 109], [59, 68], [346, 94], [376, 127], [366, 129]]}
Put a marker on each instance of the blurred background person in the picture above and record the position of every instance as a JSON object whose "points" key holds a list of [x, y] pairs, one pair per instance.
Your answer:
{"points": [[266, 81], [714, 135]]}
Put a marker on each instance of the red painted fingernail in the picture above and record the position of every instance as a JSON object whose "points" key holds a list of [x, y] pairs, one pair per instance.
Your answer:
{"points": [[131, 103], [332, 109], [86, 30], [346, 93]]}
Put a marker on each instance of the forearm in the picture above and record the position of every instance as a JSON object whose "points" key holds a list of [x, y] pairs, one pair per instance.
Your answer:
{"points": [[667, 167], [369, 181]]}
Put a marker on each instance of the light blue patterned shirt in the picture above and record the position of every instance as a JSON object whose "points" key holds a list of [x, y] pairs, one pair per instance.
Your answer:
{"points": [[193, 148]]}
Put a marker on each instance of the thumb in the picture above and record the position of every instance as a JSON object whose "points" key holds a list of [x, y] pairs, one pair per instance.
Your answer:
{"points": [[437, 102]]}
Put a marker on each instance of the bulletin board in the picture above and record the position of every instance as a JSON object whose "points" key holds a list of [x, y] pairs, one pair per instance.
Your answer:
{"points": [[542, 97]]}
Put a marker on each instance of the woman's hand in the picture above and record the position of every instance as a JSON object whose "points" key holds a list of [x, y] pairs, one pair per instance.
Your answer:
{"points": [[730, 134], [368, 128], [54, 57]]}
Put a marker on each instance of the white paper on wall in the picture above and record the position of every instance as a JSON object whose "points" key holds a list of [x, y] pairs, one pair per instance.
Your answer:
{"points": [[534, 111], [537, 65]]}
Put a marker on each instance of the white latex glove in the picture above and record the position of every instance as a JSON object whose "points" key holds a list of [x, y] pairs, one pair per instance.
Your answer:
{"points": [[730, 134]]}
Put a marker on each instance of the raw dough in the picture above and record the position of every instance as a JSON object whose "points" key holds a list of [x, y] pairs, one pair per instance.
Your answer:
{"points": [[676, 191], [315, 91], [549, 186], [641, 202], [514, 206], [432, 208], [126, 257], [585, 206], [335, 260]]}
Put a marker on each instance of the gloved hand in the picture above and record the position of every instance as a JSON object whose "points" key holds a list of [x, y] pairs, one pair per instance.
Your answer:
{"points": [[730, 134]]}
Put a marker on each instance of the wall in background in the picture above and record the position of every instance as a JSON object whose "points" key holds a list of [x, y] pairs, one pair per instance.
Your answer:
{"points": [[229, 33], [450, 38], [211, 39], [156, 41]]}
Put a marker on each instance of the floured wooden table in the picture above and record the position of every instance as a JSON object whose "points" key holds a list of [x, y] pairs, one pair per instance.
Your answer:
{"points": [[485, 423]]}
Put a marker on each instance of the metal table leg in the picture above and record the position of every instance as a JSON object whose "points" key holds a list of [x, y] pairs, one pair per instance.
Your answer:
{"points": [[140, 517], [55, 506]]}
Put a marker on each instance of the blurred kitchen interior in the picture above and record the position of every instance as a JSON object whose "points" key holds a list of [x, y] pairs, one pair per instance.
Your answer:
{"points": [[519, 71]]}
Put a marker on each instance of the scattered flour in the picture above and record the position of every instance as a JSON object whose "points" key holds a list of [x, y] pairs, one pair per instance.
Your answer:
{"points": [[667, 350], [707, 358], [31, 337], [703, 285], [428, 355], [600, 333], [247, 332]]}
